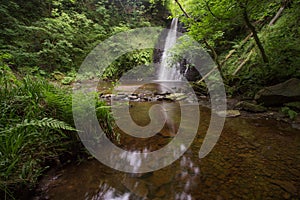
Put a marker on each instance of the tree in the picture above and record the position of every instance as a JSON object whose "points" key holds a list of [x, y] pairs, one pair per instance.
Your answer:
{"points": [[215, 55], [244, 7], [219, 21]]}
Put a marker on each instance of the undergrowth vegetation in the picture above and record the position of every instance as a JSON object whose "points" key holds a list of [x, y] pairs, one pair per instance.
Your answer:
{"points": [[36, 128], [281, 42]]}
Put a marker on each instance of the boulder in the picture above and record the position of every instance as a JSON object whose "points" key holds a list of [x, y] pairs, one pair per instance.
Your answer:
{"points": [[279, 94], [250, 107]]}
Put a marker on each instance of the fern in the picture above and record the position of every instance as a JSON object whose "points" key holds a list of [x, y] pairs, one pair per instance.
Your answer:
{"points": [[45, 122], [59, 104]]}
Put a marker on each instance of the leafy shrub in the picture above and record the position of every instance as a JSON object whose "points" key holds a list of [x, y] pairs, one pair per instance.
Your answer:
{"points": [[289, 112], [33, 115]]}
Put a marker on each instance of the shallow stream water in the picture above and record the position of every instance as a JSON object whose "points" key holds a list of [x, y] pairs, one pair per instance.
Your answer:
{"points": [[253, 159]]}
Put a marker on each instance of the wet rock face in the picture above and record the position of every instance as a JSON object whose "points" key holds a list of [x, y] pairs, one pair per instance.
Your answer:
{"points": [[279, 94], [190, 73]]}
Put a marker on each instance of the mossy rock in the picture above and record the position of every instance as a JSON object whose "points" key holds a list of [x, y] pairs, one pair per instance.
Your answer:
{"points": [[293, 105], [250, 107]]}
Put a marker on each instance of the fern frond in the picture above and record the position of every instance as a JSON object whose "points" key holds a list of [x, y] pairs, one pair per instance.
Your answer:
{"points": [[45, 122]]}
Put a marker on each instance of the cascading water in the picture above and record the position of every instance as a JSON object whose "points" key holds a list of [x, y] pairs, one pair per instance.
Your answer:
{"points": [[167, 71], [168, 74]]}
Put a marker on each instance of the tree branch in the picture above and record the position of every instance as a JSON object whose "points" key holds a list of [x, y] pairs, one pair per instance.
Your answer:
{"points": [[234, 50], [277, 15], [211, 12], [243, 63], [181, 8], [207, 75]]}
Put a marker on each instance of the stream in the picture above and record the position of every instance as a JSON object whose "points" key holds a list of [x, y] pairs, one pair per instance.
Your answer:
{"points": [[255, 158]]}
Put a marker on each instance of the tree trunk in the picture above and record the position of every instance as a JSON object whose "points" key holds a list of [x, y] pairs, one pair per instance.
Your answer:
{"points": [[255, 36]]}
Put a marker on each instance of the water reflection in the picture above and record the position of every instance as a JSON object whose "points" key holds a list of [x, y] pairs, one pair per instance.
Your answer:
{"points": [[162, 184], [106, 192], [134, 158], [251, 161]]}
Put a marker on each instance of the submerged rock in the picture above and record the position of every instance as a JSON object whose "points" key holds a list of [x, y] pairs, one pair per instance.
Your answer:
{"points": [[162, 191], [229, 113], [136, 186], [247, 106], [286, 185], [279, 94], [162, 177], [166, 133]]}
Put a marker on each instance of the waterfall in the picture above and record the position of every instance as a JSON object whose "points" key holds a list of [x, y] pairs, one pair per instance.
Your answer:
{"points": [[167, 71]]}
